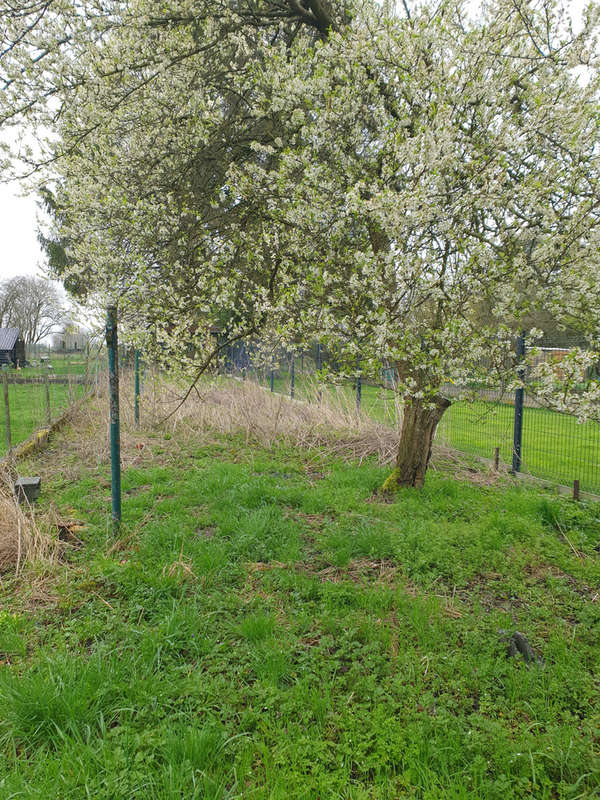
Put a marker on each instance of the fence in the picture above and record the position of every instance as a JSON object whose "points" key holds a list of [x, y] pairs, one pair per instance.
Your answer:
{"points": [[551, 445], [35, 395]]}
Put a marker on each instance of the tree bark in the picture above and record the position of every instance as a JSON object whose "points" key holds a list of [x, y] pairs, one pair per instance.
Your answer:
{"points": [[419, 423]]}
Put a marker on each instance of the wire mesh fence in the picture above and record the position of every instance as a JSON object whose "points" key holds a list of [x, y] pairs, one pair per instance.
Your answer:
{"points": [[554, 446], [36, 393]]}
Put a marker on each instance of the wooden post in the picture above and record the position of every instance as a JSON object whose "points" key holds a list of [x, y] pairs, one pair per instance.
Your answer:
{"points": [[496, 458], [47, 382], [7, 410], [576, 490]]}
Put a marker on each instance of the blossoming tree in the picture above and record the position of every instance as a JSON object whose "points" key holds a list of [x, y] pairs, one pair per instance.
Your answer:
{"points": [[409, 188]]}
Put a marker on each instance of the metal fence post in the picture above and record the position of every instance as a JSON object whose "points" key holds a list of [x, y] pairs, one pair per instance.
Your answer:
{"points": [[7, 410], [272, 381], [115, 443], [87, 367], [292, 376], [319, 363], [358, 386], [136, 389], [519, 396], [69, 382]]}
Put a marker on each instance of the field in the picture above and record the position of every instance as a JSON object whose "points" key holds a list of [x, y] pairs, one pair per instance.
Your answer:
{"points": [[556, 446], [27, 402], [267, 627]]}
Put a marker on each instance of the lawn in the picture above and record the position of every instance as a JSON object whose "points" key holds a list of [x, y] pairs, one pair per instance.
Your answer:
{"points": [[27, 403], [267, 627], [555, 446], [74, 363]]}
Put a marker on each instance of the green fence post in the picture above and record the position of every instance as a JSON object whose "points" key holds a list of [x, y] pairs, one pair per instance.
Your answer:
{"points": [[115, 441], [319, 365], [87, 367], [7, 410], [69, 382], [519, 396], [136, 389], [293, 377]]}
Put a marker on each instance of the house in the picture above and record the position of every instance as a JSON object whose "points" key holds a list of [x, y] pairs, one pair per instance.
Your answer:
{"points": [[71, 339], [12, 347]]}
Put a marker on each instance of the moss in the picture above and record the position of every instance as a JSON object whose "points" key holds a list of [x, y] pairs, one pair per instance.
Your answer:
{"points": [[390, 484], [35, 442]]}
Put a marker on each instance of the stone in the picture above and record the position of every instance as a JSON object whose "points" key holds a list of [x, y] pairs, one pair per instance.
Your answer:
{"points": [[28, 489]]}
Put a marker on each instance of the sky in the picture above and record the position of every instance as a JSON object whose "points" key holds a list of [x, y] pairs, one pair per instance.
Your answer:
{"points": [[20, 253]]}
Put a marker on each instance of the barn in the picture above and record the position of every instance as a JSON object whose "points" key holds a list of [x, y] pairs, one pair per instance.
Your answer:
{"points": [[12, 347]]}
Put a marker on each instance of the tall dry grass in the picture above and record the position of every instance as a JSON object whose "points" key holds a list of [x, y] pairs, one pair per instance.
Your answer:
{"points": [[231, 406], [23, 537], [328, 422]]}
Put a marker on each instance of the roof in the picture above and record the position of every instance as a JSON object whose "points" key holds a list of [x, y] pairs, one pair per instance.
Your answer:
{"points": [[8, 337]]}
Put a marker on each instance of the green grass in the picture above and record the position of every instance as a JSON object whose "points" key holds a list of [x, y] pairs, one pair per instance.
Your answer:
{"points": [[317, 644], [555, 446], [27, 403], [63, 363]]}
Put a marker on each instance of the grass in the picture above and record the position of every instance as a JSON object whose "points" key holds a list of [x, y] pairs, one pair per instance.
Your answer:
{"points": [[555, 446], [65, 363], [27, 403], [266, 628]]}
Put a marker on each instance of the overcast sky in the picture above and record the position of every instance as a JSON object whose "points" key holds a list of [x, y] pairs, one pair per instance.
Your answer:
{"points": [[19, 250]]}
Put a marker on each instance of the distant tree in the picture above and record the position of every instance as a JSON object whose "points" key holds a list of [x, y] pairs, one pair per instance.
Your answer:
{"points": [[31, 304]]}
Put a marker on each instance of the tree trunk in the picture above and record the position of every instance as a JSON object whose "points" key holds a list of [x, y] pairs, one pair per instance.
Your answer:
{"points": [[419, 423]]}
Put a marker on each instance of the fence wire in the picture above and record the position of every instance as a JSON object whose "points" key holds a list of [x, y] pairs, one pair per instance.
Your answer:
{"points": [[555, 446], [36, 393]]}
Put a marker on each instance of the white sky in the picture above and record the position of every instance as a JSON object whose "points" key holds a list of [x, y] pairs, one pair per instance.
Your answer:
{"points": [[20, 253], [19, 250]]}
